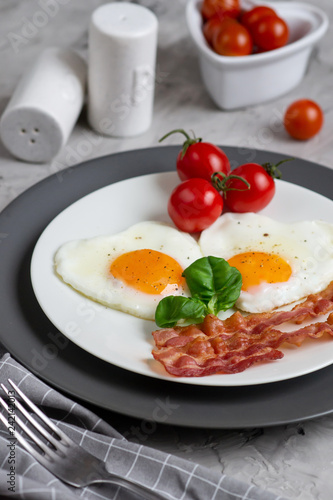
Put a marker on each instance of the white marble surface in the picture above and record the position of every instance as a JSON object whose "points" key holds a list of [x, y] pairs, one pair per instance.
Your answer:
{"points": [[293, 460]]}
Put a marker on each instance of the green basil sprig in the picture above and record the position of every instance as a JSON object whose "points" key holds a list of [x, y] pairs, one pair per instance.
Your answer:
{"points": [[214, 285]]}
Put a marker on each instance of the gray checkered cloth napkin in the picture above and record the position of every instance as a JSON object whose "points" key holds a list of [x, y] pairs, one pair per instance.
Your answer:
{"points": [[173, 477]]}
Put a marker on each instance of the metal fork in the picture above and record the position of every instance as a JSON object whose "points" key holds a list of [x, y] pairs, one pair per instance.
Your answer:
{"points": [[61, 456]]}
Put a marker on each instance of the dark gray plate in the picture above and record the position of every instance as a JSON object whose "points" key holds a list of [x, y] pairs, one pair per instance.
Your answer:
{"points": [[33, 340]]}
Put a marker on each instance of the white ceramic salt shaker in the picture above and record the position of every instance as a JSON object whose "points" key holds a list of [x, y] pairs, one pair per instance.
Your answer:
{"points": [[45, 106], [121, 69]]}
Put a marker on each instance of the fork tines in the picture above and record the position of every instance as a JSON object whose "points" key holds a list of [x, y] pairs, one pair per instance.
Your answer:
{"points": [[59, 441]]}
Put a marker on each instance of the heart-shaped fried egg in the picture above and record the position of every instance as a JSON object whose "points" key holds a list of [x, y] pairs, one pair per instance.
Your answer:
{"points": [[129, 271], [280, 263]]}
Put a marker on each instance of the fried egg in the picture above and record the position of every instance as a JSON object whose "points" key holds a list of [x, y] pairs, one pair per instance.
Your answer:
{"points": [[130, 271], [280, 263]]}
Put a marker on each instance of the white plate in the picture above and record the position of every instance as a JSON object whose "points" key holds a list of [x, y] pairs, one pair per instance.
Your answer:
{"points": [[124, 340]]}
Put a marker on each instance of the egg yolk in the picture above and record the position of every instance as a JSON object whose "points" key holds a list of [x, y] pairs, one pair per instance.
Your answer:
{"points": [[148, 271], [258, 267]]}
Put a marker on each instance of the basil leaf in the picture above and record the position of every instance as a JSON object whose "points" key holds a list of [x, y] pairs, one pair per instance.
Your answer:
{"points": [[228, 292], [213, 281], [175, 307], [200, 280]]}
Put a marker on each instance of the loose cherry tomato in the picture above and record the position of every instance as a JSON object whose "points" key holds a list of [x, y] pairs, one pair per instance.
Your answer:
{"points": [[240, 198], [211, 7], [199, 159], [194, 205], [251, 16], [232, 39], [270, 32], [303, 119]]}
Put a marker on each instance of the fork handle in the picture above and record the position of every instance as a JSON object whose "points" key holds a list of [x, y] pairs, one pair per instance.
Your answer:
{"points": [[138, 489]]}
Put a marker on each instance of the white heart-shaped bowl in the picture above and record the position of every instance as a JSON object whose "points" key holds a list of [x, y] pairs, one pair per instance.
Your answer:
{"points": [[235, 82]]}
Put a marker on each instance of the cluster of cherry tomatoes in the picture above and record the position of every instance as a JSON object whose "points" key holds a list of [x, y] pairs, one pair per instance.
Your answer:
{"points": [[208, 183], [233, 32]]}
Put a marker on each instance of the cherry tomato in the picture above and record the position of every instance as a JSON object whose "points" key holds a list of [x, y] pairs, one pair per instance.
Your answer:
{"points": [[232, 39], [211, 26], [194, 205], [303, 119], [211, 7], [251, 16], [239, 198], [199, 159], [270, 32]]}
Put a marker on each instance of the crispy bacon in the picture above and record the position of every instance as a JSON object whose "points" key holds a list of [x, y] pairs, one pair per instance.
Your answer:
{"points": [[234, 344]]}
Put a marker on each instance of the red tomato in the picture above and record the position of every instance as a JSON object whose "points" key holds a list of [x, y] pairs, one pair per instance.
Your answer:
{"points": [[211, 7], [232, 39], [194, 205], [270, 32], [251, 16], [211, 26], [199, 159], [202, 159], [303, 119], [239, 198]]}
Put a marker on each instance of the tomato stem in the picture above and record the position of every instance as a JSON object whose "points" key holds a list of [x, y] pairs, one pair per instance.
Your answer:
{"points": [[186, 143], [273, 170], [176, 131], [220, 179]]}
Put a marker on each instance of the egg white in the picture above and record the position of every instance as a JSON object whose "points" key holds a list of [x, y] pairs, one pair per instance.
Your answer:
{"points": [[307, 246], [84, 264]]}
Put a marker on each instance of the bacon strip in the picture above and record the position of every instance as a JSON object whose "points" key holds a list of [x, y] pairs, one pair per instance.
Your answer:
{"points": [[233, 345]]}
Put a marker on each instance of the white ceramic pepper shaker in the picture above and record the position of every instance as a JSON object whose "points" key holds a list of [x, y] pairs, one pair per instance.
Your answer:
{"points": [[121, 69], [45, 106]]}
